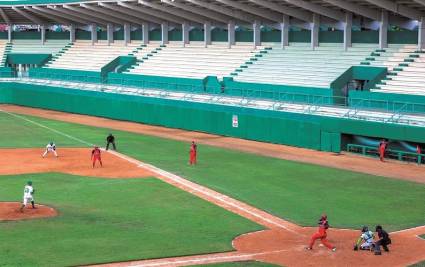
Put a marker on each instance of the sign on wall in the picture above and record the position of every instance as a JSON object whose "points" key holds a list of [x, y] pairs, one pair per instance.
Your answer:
{"points": [[235, 121]]}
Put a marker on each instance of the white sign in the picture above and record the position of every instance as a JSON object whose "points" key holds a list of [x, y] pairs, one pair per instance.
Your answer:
{"points": [[235, 121]]}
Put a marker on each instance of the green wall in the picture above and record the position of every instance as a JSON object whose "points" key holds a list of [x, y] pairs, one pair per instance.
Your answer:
{"points": [[57, 35], [244, 36], [272, 36], [119, 35], [26, 35], [3, 35], [82, 35], [403, 37], [365, 37], [219, 35], [196, 34], [299, 36], [303, 130], [331, 37], [175, 35], [136, 35], [155, 35]]}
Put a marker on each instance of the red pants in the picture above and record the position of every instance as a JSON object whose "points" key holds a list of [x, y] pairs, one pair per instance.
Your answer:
{"points": [[97, 159], [192, 158], [322, 237], [381, 154]]}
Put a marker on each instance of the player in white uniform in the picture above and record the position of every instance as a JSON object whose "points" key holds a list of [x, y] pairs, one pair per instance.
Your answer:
{"points": [[51, 147], [367, 238], [28, 196]]}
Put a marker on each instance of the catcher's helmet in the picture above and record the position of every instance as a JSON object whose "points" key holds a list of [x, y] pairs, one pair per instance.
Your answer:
{"points": [[365, 229], [51, 143], [29, 182]]}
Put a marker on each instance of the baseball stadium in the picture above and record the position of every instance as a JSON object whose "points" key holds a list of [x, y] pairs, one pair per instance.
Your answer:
{"points": [[218, 133]]}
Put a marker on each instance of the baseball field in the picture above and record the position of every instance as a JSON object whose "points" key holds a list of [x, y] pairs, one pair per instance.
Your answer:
{"points": [[148, 207]]}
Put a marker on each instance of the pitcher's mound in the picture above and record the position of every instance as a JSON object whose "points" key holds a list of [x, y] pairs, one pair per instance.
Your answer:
{"points": [[9, 211]]}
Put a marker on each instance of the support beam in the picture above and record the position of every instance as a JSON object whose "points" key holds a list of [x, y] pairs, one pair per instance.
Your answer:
{"points": [[257, 33], [267, 16], [126, 10], [127, 33], [72, 33], [170, 14], [284, 31], [289, 11], [421, 33], [348, 24], [111, 15], [9, 33], [185, 33], [43, 34], [319, 9], [82, 18], [355, 8], [110, 33], [4, 16], [314, 28], [231, 33], [30, 17], [60, 12], [164, 33], [93, 15], [383, 30], [145, 33], [207, 33], [48, 16], [93, 29], [397, 8]]}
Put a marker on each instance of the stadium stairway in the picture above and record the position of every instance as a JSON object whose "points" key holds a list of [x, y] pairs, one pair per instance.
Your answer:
{"points": [[83, 55], [4, 50], [406, 73], [299, 65], [22, 46]]}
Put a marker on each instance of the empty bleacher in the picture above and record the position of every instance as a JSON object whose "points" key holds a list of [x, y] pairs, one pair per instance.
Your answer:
{"points": [[299, 65], [194, 60], [3, 45], [23, 46], [83, 55]]}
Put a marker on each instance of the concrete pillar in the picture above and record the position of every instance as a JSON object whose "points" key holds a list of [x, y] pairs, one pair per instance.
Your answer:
{"points": [[145, 32], [348, 24], [164, 33], [284, 31], [257, 33], [314, 28], [9, 33], [185, 33], [71, 33], [110, 33], [207, 33], [127, 33], [43, 34], [93, 29], [383, 30], [231, 33], [421, 33]]}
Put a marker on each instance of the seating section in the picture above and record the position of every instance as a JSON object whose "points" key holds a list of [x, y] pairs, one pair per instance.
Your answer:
{"points": [[194, 60], [23, 46], [406, 72], [299, 65], [390, 57], [83, 55]]}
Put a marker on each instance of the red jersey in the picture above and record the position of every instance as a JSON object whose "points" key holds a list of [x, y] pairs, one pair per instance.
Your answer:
{"points": [[95, 153], [193, 149], [418, 150]]}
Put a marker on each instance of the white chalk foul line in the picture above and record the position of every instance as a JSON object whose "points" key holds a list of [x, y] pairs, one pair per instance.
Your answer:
{"points": [[208, 259], [177, 179]]}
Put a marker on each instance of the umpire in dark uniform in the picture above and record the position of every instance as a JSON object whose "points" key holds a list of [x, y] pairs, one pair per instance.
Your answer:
{"points": [[384, 240], [110, 139]]}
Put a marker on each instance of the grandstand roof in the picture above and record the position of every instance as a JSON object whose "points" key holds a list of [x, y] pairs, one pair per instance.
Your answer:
{"points": [[197, 12]]}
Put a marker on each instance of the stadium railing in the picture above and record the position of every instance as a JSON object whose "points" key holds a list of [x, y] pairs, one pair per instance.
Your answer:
{"points": [[389, 153]]}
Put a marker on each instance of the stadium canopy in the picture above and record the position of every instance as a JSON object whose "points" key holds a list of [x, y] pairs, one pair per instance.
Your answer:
{"points": [[279, 14]]}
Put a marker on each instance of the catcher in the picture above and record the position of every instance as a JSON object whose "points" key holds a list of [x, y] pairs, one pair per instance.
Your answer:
{"points": [[51, 147], [28, 196], [365, 241]]}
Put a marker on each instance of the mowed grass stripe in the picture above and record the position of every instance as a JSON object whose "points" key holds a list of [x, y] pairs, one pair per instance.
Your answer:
{"points": [[104, 220], [298, 192]]}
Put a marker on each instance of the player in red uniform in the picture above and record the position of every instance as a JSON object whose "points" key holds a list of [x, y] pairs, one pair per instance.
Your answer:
{"points": [[321, 234], [192, 153], [381, 149], [95, 156]]}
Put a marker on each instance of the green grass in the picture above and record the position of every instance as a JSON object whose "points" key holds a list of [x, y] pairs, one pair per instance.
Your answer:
{"points": [[240, 263], [295, 191], [104, 220]]}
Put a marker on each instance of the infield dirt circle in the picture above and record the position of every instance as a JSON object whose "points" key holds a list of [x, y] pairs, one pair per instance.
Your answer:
{"points": [[9, 211]]}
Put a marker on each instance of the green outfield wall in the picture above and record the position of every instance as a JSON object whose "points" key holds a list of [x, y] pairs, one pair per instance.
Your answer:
{"points": [[302, 130]]}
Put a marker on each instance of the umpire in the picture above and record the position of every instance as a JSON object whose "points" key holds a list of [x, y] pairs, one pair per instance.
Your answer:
{"points": [[110, 139]]}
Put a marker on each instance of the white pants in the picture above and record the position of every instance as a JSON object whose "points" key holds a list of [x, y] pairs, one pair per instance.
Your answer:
{"points": [[51, 150], [27, 200], [366, 245]]}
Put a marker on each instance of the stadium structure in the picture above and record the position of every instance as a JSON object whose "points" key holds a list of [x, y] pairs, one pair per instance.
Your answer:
{"points": [[331, 75]]}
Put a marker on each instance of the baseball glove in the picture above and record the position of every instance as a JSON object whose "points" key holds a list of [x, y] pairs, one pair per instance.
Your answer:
{"points": [[356, 247]]}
